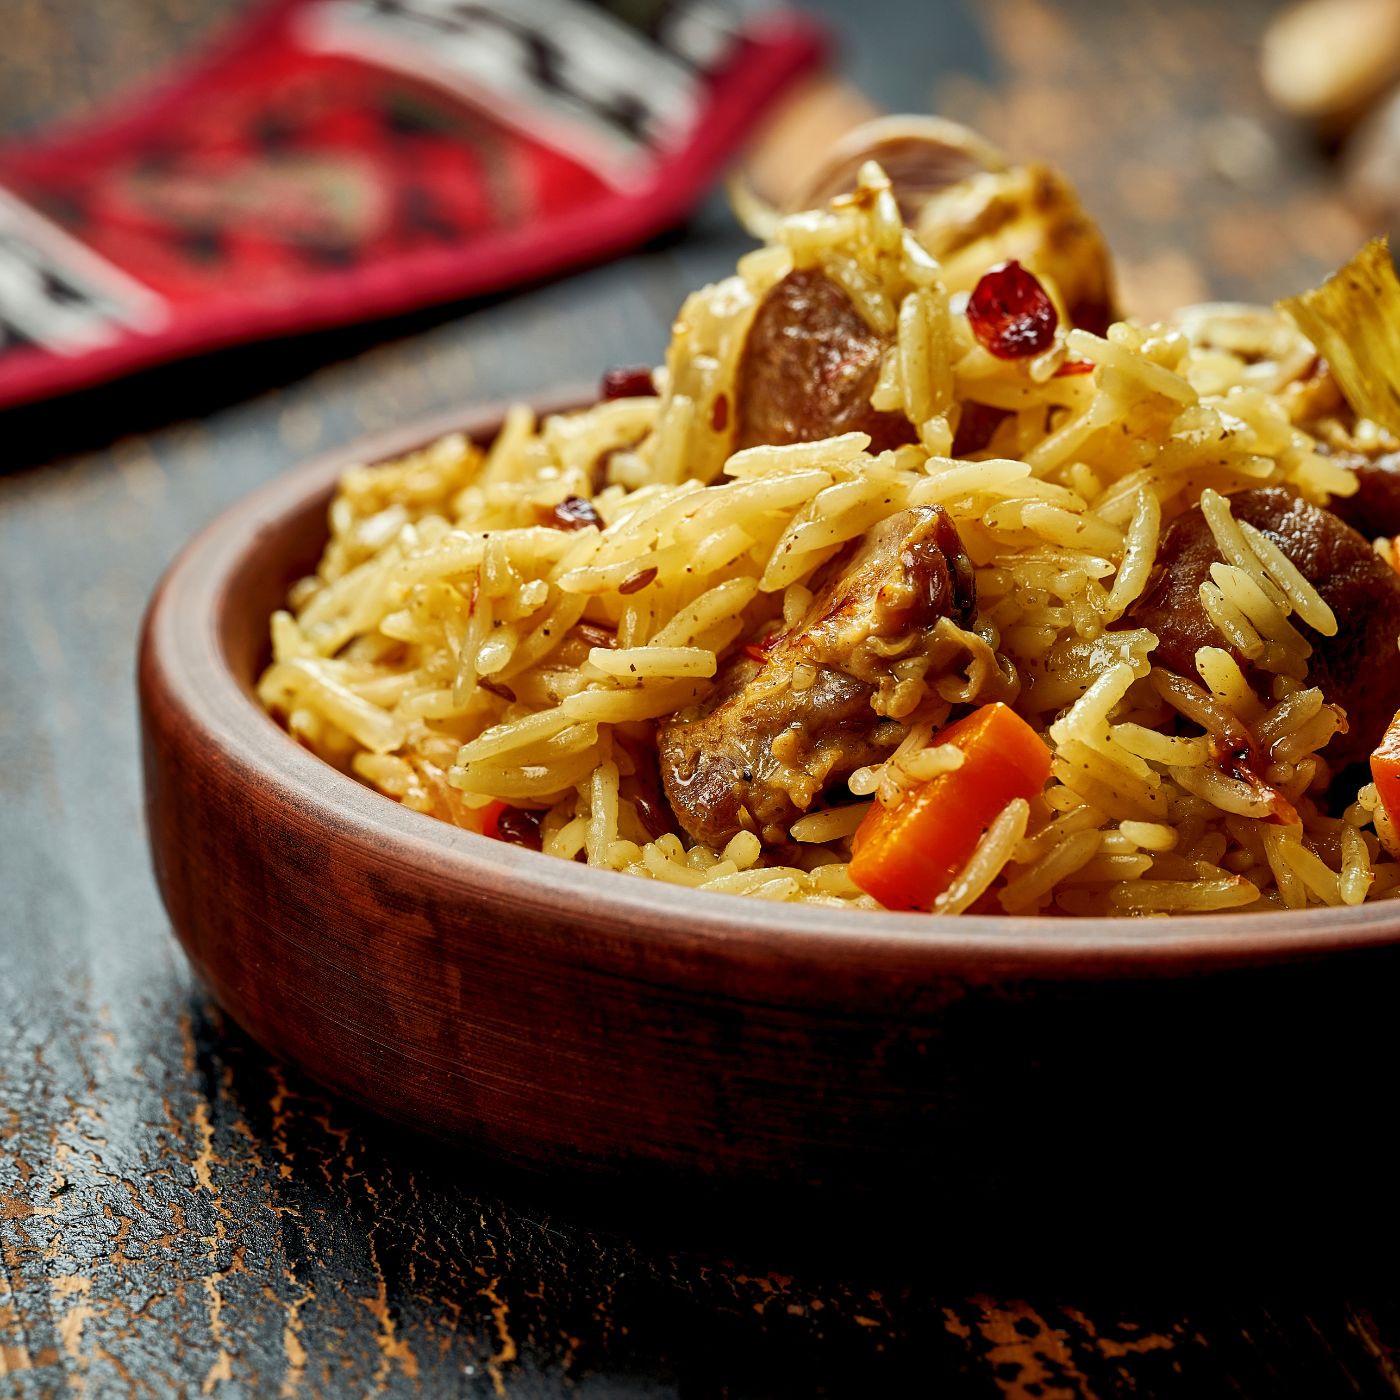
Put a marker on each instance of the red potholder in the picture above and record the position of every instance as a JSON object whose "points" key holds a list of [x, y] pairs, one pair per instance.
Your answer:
{"points": [[338, 160]]}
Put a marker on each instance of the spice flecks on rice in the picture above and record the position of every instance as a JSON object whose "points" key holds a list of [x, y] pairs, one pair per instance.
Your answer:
{"points": [[470, 638]]}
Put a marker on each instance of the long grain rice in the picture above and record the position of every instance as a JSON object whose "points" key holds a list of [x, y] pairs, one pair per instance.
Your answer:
{"points": [[455, 649]]}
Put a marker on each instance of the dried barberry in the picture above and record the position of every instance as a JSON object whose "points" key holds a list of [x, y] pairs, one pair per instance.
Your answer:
{"points": [[1011, 314], [520, 826], [631, 383]]}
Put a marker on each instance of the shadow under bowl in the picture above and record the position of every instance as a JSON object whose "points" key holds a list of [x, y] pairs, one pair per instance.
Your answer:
{"points": [[555, 1016]]}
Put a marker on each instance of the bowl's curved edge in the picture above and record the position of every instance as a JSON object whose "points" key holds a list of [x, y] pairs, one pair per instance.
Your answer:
{"points": [[970, 944], [553, 1014]]}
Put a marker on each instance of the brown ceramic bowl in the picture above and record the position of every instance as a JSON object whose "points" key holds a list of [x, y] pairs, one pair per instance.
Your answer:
{"points": [[554, 1015]]}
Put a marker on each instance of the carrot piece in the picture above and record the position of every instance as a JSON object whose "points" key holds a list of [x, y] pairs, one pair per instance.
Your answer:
{"points": [[490, 819], [908, 854], [1385, 770]]}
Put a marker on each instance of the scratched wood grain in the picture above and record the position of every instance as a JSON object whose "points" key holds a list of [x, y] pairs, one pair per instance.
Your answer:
{"points": [[181, 1216]]}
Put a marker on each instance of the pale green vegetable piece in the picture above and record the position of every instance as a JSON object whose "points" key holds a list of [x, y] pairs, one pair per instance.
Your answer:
{"points": [[1353, 320]]}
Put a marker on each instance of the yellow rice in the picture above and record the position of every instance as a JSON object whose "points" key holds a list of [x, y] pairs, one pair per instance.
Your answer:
{"points": [[435, 653]]}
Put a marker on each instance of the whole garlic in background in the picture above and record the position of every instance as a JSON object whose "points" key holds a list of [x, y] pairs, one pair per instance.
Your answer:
{"points": [[1337, 62]]}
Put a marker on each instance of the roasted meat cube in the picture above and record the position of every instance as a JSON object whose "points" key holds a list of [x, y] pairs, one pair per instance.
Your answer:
{"points": [[808, 368], [1358, 668], [1375, 508], [777, 732]]}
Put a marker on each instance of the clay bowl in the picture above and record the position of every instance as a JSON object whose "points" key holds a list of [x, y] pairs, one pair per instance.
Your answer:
{"points": [[557, 1016]]}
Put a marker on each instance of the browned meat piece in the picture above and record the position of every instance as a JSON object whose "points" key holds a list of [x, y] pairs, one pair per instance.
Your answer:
{"points": [[808, 367], [762, 749], [1170, 605], [1358, 669], [1375, 508]]}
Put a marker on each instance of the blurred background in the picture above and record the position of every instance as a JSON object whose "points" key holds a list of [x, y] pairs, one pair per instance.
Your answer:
{"points": [[1162, 116]]}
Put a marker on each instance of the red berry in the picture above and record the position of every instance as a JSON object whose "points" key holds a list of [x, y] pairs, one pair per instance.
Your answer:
{"points": [[1011, 313], [520, 826], [632, 383]]}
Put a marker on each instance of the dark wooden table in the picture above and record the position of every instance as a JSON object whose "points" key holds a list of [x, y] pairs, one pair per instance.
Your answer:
{"points": [[181, 1215]]}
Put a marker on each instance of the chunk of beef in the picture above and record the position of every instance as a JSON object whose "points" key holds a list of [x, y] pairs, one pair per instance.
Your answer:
{"points": [[766, 744], [1375, 508], [808, 368], [1358, 669]]}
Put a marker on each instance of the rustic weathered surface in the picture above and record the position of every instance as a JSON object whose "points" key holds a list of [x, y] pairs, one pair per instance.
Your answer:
{"points": [[179, 1215]]}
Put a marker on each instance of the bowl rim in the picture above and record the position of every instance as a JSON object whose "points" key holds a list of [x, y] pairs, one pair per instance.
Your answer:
{"points": [[181, 642]]}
